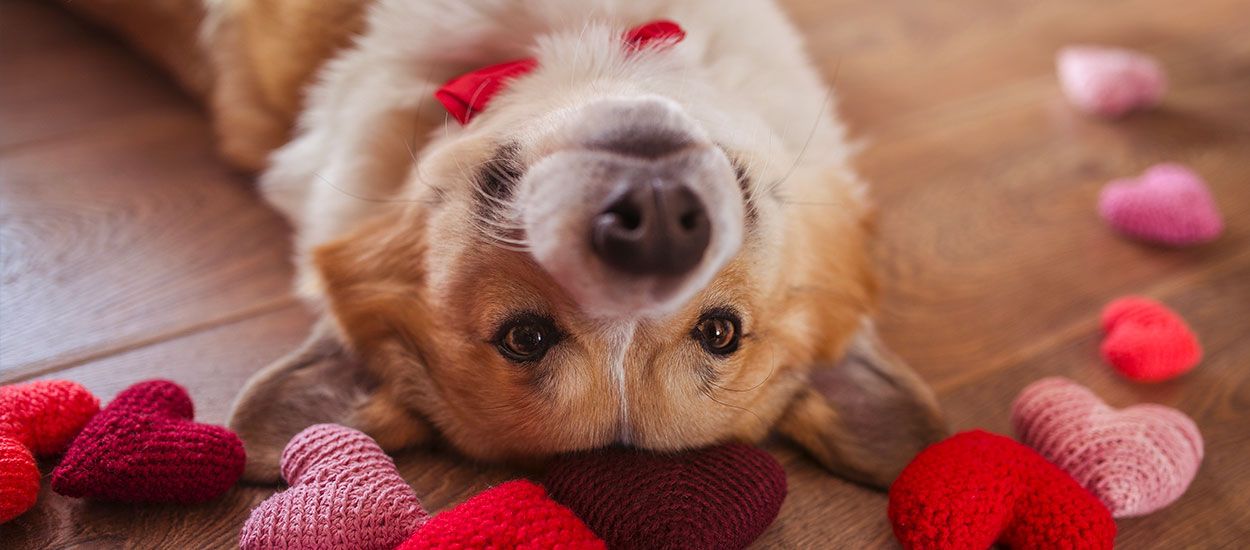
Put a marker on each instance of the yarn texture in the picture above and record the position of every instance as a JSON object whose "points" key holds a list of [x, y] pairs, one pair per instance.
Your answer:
{"points": [[1135, 460], [1147, 342], [1169, 204], [145, 447], [19, 479], [345, 494], [45, 415], [36, 419], [1110, 82], [717, 498], [516, 515], [976, 488]]}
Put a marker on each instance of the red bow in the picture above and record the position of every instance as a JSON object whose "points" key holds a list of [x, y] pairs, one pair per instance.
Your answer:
{"points": [[467, 94]]}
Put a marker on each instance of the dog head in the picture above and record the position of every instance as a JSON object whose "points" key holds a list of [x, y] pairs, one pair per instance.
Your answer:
{"points": [[614, 252]]}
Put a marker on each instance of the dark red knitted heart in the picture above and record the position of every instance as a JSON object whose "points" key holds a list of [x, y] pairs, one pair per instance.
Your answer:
{"points": [[976, 488], [145, 447], [713, 499]]}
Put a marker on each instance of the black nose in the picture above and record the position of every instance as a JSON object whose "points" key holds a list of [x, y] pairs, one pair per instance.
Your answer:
{"points": [[653, 227]]}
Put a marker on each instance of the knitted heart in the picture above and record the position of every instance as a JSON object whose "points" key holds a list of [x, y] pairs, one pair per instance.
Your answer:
{"points": [[1169, 204], [1110, 81], [19, 479], [36, 419], [1136, 460], [345, 494], [1146, 341], [516, 515], [145, 447], [46, 414], [716, 498], [976, 488]]}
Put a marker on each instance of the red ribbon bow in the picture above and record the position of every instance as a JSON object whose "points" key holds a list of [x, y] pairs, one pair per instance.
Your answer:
{"points": [[467, 94]]}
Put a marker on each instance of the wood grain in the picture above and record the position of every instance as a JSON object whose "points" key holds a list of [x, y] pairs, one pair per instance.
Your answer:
{"points": [[130, 253]]}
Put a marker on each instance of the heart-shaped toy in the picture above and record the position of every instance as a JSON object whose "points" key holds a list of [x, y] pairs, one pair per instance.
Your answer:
{"points": [[516, 515], [976, 488], [19, 479], [1147, 342], [36, 419], [1110, 82], [1169, 205], [345, 494], [716, 498], [145, 447], [45, 415], [1135, 460]]}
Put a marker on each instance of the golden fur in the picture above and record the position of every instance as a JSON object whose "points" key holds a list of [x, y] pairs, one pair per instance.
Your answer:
{"points": [[412, 287]]}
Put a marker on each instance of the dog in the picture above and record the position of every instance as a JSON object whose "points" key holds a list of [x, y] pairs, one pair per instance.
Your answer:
{"points": [[656, 243]]}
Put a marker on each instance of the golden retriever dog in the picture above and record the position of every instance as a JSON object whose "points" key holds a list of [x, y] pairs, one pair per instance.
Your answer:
{"points": [[659, 245]]}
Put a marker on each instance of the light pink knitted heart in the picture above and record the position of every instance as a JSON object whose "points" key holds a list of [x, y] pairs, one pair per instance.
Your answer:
{"points": [[1169, 204], [1109, 81], [1135, 460], [345, 494]]}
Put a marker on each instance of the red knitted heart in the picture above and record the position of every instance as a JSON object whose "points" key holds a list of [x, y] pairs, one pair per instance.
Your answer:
{"points": [[36, 419], [976, 488], [46, 414], [1135, 460], [717, 498], [516, 515], [19, 479], [1146, 341], [145, 447]]}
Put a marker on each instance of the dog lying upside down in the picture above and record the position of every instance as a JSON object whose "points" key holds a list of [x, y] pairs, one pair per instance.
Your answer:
{"points": [[655, 244]]}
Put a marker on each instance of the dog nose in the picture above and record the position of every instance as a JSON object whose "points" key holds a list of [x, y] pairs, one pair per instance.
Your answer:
{"points": [[653, 227]]}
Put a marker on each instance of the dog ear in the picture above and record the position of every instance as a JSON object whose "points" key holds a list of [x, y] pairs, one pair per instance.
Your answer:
{"points": [[866, 416], [320, 382]]}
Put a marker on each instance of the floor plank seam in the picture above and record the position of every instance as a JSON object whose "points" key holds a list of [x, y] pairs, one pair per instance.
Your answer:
{"points": [[23, 373]]}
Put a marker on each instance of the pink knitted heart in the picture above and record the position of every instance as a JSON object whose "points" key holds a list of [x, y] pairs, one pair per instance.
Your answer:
{"points": [[145, 447], [1169, 204], [345, 494], [1110, 81], [1135, 460]]}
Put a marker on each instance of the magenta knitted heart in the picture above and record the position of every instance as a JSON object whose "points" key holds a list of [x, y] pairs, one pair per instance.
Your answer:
{"points": [[345, 494], [1169, 204], [1109, 81], [1135, 460], [712, 499], [145, 447]]}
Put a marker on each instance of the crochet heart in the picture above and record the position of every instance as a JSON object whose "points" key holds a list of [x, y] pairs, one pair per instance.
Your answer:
{"points": [[345, 494], [1135, 460], [1110, 81], [1169, 205], [514, 516], [19, 479], [145, 447], [717, 498], [36, 419], [976, 488], [1145, 341], [45, 415]]}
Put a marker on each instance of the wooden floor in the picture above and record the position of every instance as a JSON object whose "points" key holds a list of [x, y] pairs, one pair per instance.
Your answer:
{"points": [[130, 252]]}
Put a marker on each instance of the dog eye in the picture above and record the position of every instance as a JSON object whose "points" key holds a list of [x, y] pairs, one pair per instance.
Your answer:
{"points": [[718, 332], [526, 339]]}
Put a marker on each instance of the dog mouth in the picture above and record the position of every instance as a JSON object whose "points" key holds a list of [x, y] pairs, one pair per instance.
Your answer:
{"points": [[635, 212]]}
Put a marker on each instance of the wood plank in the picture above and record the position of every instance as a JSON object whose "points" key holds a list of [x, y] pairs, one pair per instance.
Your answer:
{"points": [[990, 235], [62, 76], [114, 238]]}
